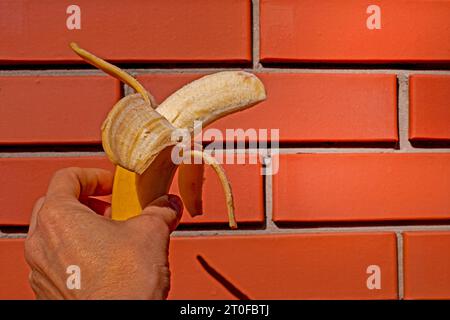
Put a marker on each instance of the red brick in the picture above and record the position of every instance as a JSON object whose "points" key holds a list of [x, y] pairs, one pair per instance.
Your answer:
{"points": [[55, 109], [248, 193], [362, 187], [429, 107], [427, 265], [24, 180], [14, 271], [308, 266], [136, 31], [315, 266], [309, 107], [335, 31]]}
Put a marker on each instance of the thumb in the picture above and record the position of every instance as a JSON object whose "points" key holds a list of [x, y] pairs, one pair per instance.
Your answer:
{"points": [[167, 208]]}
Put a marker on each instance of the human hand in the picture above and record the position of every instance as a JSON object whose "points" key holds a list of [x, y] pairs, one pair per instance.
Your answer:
{"points": [[117, 259]]}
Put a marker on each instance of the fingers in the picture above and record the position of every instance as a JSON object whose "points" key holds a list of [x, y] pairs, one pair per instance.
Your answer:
{"points": [[100, 205], [78, 182], [164, 211], [42, 287], [169, 208], [162, 282], [108, 213], [154, 225]]}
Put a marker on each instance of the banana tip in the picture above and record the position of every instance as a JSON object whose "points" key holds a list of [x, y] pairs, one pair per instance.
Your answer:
{"points": [[74, 45]]}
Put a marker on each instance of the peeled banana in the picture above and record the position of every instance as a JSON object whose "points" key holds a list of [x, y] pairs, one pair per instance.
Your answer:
{"points": [[139, 137]]}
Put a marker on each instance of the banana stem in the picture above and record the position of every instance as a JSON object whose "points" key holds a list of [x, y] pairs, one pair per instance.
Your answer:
{"points": [[111, 70], [223, 180]]}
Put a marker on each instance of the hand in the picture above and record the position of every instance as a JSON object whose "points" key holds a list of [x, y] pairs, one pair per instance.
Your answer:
{"points": [[117, 259]]}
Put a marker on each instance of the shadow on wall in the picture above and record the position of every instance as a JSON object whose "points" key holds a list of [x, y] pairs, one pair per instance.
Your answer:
{"points": [[222, 280]]}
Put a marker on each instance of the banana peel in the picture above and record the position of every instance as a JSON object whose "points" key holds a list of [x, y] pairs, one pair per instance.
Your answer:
{"points": [[138, 137]]}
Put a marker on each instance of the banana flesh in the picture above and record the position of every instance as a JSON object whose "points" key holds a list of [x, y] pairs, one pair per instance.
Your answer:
{"points": [[137, 136], [211, 98]]}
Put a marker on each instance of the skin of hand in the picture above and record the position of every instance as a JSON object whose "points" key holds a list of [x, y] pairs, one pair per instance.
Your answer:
{"points": [[117, 259]]}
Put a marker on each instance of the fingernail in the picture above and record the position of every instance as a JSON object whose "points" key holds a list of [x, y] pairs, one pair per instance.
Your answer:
{"points": [[175, 203]]}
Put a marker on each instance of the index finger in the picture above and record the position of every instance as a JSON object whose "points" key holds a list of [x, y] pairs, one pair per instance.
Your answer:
{"points": [[80, 182]]}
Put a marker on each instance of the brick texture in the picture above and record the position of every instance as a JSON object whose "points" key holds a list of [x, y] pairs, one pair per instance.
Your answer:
{"points": [[24, 180], [333, 266], [429, 117], [55, 109], [362, 187], [14, 275], [247, 183], [358, 205], [149, 31], [284, 266], [347, 32], [305, 107], [427, 265]]}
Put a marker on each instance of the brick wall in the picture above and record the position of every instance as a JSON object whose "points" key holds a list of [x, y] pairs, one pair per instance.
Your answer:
{"points": [[360, 207]]}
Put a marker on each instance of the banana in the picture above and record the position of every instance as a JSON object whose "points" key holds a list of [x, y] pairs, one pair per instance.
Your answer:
{"points": [[190, 185], [138, 136]]}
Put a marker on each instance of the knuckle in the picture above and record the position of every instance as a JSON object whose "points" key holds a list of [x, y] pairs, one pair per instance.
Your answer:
{"points": [[28, 247], [146, 227], [30, 250], [60, 172], [154, 222], [66, 171], [32, 278], [73, 170], [49, 212], [41, 199], [34, 284]]}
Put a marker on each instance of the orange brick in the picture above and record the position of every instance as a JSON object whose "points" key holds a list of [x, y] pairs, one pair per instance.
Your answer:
{"points": [[136, 31], [55, 109], [429, 107], [362, 187], [427, 265], [318, 266], [248, 193], [24, 180], [14, 271], [309, 107], [308, 266], [337, 31]]}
